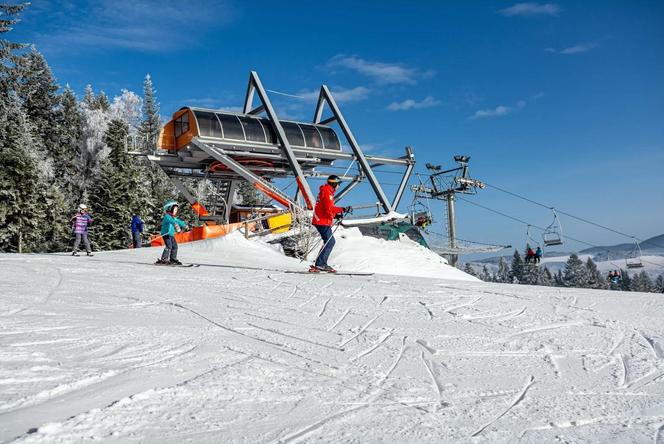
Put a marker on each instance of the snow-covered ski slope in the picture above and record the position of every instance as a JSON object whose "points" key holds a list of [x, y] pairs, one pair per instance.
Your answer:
{"points": [[112, 348]]}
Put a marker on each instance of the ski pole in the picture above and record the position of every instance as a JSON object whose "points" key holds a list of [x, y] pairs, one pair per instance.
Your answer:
{"points": [[326, 242], [316, 245]]}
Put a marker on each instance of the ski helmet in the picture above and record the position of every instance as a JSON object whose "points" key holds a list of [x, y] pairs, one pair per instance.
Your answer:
{"points": [[333, 180], [170, 204], [83, 207]]}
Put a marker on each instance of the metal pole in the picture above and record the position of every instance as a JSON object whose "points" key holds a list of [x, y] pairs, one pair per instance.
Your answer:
{"points": [[452, 227]]}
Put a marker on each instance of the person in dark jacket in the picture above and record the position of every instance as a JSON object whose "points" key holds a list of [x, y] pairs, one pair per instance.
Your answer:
{"points": [[136, 230], [324, 215], [80, 223]]}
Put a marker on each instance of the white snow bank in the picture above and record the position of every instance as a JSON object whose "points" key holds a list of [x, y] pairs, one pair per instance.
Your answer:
{"points": [[356, 252], [352, 252]]}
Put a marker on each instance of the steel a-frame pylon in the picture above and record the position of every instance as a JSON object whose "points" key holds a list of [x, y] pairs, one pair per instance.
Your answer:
{"points": [[255, 86]]}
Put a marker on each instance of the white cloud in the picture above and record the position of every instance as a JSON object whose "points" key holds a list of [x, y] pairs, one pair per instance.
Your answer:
{"points": [[531, 9], [576, 49], [340, 95], [384, 73], [407, 104], [138, 25], [503, 110], [500, 110]]}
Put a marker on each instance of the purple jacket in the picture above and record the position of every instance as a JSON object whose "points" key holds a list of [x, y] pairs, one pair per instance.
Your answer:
{"points": [[81, 221]]}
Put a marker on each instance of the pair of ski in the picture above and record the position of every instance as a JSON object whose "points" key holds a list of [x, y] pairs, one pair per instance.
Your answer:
{"points": [[314, 270], [176, 265]]}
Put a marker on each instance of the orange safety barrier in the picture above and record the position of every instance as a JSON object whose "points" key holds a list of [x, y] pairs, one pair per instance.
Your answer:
{"points": [[199, 233]]}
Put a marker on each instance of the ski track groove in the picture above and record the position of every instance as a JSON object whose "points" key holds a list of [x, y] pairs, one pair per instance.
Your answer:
{"points": [[427, 309], [373, 347], [422, 343], [456, 307], [56, 287], [621, 338], [542, 328], [500, 316], [301, 433], [658, 431], [623, 367], [647, 379], [434, 380], [277, 332], [339, 320], [650, 343], [324, 307], [308, 301], [280, 347], [516, 400], [395, 363], [362, 330]]}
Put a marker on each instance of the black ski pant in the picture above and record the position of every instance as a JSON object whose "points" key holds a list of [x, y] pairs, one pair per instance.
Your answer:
{"points": [[170, 249]]}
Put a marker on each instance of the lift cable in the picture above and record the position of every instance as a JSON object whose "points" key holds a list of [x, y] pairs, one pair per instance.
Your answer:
{"points": [[569, 214], [542, 228]]}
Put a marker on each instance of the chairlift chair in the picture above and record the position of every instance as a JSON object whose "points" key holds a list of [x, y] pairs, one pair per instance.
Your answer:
{"points": [[633, 259], [553, 234]]}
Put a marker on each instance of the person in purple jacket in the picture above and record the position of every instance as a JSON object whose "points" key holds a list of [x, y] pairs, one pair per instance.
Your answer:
{"points": [[80, 227]]}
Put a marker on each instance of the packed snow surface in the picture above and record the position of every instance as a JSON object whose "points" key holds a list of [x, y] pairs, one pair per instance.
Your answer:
{"points": [[112, 348]]}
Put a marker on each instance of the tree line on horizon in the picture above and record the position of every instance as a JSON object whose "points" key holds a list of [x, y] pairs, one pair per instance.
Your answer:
{"points": [[576, 274]]}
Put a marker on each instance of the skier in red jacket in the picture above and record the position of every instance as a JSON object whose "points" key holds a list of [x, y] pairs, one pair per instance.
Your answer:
{"points": [[324, 215]]}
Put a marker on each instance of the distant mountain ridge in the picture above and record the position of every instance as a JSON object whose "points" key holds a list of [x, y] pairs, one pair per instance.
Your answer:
{"points": [[651, 246]]}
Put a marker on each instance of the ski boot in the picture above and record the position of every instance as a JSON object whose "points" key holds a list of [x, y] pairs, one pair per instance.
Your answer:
{"points": [[75, 253], [161, 262], [89, 254], [175, 262]]}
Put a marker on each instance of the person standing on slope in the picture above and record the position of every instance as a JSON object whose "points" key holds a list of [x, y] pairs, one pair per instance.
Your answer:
{"points": [[136, 231], [169, 226], [324, 214], [80, 223]]}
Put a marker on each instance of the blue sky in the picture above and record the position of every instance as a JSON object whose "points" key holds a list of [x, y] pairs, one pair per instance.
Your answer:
{"points": [[560, 101]]}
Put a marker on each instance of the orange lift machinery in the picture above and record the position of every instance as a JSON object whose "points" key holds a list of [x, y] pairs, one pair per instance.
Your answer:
{"points": [[259, 147]]}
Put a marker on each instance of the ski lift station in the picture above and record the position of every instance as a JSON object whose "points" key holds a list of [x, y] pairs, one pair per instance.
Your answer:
{"points": [[255, 145]]}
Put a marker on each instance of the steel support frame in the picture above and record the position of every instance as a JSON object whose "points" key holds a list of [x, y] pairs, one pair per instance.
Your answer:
{"points": [[326, 97], [258, 182], [255, 86]]}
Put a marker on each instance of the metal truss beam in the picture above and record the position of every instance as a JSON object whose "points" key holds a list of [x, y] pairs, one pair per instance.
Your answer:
{"points": [[255, 86], [326, 97], [259, 183]]}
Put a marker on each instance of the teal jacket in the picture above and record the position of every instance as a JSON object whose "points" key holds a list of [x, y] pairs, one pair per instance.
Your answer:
{"points": [[168, 224]]}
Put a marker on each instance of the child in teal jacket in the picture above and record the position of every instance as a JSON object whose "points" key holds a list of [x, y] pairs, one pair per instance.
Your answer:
{"points": [[169, 226]]}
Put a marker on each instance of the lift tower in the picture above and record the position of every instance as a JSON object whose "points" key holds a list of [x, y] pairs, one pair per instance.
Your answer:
{"points": [[444, 187]]}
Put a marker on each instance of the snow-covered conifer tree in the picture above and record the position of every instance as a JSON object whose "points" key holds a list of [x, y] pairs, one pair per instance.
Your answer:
{"points": [[641, 282], [21, 184], [595, 279], [114, 196], [151, 124], [659, 284], [503, 274], [575, 274], [517, 267]]}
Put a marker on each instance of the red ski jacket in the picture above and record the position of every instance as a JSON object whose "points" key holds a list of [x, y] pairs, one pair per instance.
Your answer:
{"points": [[325, 209]]}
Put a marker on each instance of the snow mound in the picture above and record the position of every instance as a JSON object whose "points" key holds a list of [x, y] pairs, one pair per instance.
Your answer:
{"points": [[352, 252], [356, 252]]}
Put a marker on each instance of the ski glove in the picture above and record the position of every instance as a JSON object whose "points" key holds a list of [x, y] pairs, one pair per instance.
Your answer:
{"points": [[348, 210]]}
